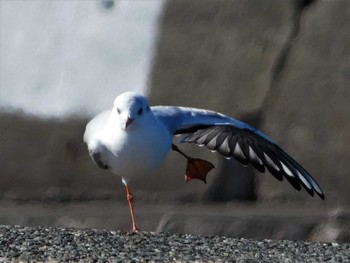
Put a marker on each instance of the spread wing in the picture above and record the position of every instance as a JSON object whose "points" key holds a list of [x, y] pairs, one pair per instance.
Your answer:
{"points": [[233, 138]]}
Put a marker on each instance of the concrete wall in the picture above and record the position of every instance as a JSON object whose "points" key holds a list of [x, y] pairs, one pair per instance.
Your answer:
{"points": [[286, 63], [281, 65]]}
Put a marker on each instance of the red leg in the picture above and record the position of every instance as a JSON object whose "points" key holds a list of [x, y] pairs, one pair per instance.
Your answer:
{"points": [[129, 197]]}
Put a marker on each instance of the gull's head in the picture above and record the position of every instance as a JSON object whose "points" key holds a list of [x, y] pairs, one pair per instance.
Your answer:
{"points": [[131, 108]]}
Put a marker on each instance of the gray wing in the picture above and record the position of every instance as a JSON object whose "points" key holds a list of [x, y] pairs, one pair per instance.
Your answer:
{"points": [[233, 138]]}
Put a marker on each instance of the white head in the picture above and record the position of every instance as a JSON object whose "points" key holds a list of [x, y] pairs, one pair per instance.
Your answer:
{"points": [[131, 108]]}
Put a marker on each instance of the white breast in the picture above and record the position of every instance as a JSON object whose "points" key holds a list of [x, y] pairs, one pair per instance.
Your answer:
{"points": [[138, 150]]}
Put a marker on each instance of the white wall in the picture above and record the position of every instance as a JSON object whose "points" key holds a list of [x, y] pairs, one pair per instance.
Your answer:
{"points": [[73, 57]]}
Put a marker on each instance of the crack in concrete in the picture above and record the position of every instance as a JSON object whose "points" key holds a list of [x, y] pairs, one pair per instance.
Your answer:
{"points": [[280, 63], [282, 58], [285, 51]]}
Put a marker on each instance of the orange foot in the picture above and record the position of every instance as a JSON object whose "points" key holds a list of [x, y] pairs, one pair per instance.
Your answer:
{"points": [[198, 169], [135, 230], [130, 232]]}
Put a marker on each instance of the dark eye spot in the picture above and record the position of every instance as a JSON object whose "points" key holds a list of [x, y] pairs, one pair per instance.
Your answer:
{"points": [[139, 112], [118, 110]]}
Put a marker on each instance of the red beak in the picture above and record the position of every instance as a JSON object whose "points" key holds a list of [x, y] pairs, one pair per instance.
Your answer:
{"points": [[128, 121]]}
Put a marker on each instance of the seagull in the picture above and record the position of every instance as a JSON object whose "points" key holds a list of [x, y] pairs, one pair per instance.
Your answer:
{"points": [[132, 139]]}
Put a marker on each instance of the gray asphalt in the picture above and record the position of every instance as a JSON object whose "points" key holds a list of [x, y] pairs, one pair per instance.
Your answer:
{"points": [[68, 244]]}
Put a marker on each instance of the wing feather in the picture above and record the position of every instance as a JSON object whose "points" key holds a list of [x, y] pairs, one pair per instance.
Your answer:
{"points": [[237, 152], [232, 138]]}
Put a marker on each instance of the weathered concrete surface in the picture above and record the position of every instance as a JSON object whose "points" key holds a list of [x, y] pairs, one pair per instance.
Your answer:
{"points": [[308, 107], [219, 55], [335, 227], [272, 220], [46, 159]]}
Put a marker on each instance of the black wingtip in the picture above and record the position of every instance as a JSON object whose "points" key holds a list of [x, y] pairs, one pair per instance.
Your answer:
{"points": [[321, 195]]}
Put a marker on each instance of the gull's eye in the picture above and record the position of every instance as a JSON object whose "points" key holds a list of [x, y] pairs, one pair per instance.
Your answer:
{"points": [[139, 112], [118, 110]]}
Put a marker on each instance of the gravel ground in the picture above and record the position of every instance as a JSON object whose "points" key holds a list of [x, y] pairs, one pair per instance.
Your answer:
{"points": [[68, 244]]}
